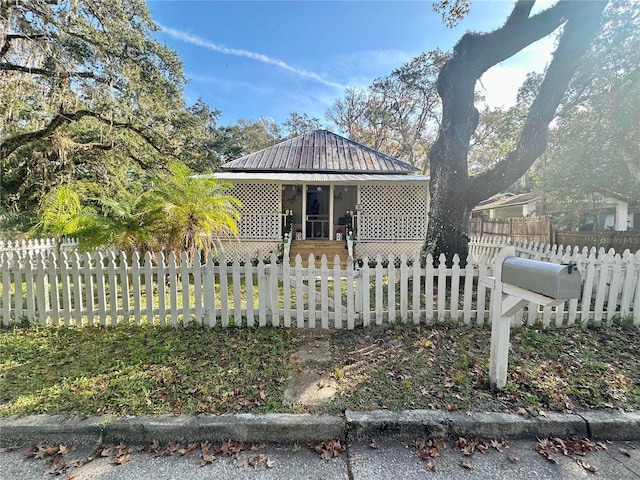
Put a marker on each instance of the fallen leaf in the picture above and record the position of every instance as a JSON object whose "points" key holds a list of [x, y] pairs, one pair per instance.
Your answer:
{"points": [[374, 444], [466, 465], [270, 463], [206, 457], [329, 449], [122, 459], [513, 459], [499, 445], [431, 465], [230, 448], [188, 450], [624, 452], [586, 466], [106, 450]]}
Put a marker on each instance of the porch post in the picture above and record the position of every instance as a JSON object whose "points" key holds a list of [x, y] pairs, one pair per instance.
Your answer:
{"points": [[331, 191], [281, 210], [304, 211], [357, 222]]}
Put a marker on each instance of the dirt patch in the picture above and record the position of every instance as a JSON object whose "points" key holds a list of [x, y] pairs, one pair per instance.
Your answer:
{"points": [[310, 384]]}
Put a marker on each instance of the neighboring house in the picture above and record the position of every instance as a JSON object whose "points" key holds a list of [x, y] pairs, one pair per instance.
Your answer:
{"points": [[510, 205], [319, 186], [614, 214]]}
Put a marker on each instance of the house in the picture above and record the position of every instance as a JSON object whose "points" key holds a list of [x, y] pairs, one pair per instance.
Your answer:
{"points": [[510, 205], [616, 213], [320, 186]]}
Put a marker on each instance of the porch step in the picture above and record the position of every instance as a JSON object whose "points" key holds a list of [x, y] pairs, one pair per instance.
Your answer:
{"points": [[330, 248]]}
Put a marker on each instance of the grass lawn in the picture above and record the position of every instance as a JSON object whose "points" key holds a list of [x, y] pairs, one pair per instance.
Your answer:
{"points": [[128, 370]]}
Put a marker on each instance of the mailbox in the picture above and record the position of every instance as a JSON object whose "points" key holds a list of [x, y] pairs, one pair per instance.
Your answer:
{"points": [[548, 279]]}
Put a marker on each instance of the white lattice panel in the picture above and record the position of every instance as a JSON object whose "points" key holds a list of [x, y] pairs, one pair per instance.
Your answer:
{"points": [[248, 250], [385, 249], [393, 212], [260, 213], [258, 198]]}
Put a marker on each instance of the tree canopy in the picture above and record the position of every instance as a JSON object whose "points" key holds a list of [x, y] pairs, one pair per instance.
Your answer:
{"points": [[86, 91], [594, 150]]}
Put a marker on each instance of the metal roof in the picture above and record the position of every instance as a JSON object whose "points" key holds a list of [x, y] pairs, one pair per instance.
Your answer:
{"points": [[314, 178], [320, 151], [507, 200]]}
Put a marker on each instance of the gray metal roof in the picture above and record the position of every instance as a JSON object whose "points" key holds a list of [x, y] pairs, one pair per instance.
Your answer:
{"points": [[315, 178], [320, 151]]}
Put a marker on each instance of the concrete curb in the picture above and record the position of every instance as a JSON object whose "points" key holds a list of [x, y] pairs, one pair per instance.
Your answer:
{"points": [[613, 426], [437, 424], [305, 428], [53, 429], [277, 427]]}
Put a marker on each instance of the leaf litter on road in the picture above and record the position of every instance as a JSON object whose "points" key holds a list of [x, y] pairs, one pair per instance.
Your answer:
{"points": [[571, 447]]}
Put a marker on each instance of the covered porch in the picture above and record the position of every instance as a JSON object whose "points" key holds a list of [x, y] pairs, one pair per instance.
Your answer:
{"points": [[321, 186]]}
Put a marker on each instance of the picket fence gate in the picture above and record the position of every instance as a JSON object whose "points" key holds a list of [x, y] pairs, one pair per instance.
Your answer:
{"points": [[108, 288]]}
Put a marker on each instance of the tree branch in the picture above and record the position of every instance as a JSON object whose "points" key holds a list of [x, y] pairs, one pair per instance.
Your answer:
{"points": [[582, 25], [473, 55], [5, 66], [8, 39], [517, 33], [10, 145], [521, 11]]}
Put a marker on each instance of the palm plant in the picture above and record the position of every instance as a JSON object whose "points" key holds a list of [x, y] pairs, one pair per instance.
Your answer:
{"points": [[60, 215], [198, 213], [126, 223]]}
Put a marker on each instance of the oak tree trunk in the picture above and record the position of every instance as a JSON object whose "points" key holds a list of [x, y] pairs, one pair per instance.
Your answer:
{"points": [[453, 192]]}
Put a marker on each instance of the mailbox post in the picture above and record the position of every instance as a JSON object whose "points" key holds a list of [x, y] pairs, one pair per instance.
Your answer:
{"points": [[516, 282]]}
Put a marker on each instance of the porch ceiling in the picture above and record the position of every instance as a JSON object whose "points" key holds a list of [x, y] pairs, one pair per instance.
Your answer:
{"points": [[315, 178]]}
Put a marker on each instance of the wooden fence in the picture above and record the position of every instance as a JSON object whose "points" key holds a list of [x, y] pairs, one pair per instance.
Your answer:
{"points": [[519, 229], [105, 289], [616, 240]]}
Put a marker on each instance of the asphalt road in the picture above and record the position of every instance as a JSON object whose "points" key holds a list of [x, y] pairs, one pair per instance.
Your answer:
{"points": [[385, 459]]}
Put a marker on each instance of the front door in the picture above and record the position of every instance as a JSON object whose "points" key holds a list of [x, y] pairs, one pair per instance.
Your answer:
{"points": [[317, 212]]}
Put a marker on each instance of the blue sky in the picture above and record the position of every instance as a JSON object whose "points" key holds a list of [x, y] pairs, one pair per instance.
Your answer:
{"points": [[251, 59]]}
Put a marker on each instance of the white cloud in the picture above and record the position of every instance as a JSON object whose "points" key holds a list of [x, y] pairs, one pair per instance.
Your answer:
{"points": [[226, 85], [359, 69], [200, 42]]}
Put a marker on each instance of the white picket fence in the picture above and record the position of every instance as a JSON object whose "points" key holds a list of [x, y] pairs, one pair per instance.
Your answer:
{"points": [[37, 246], [108, 288], [489, 247]]}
